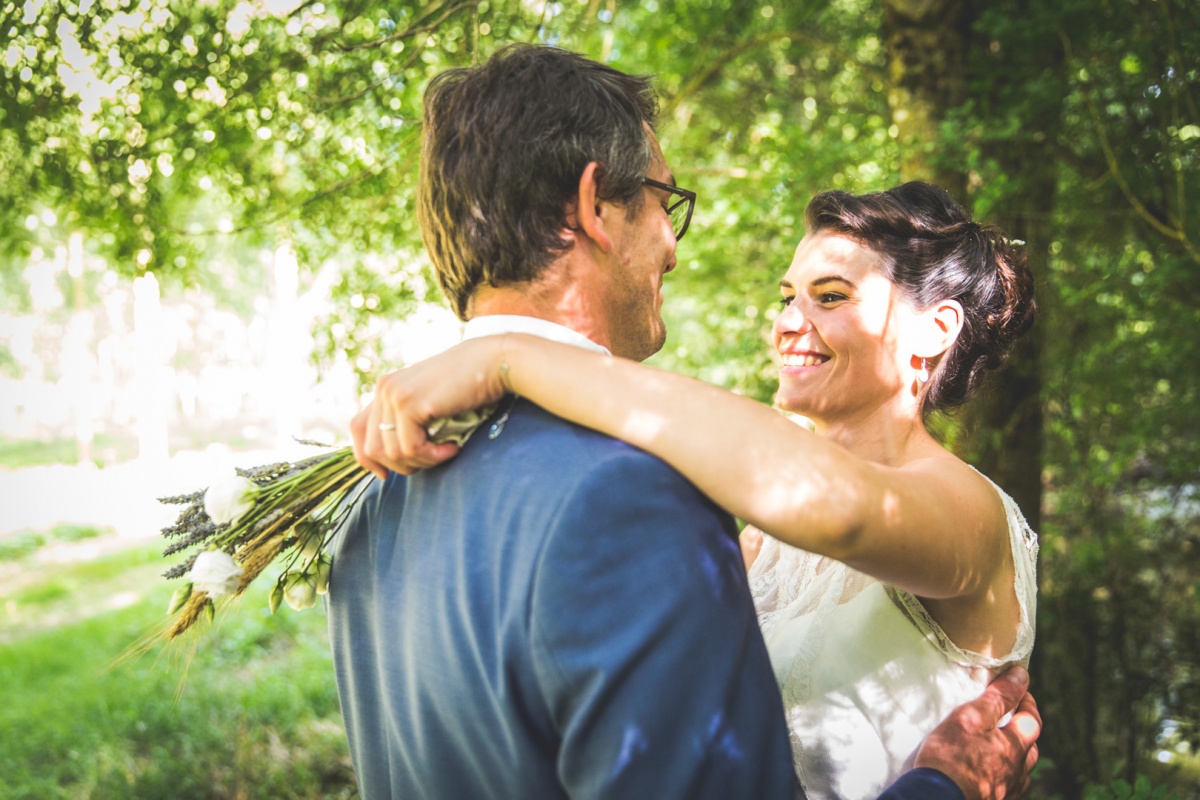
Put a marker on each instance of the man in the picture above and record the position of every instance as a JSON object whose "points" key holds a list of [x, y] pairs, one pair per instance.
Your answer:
{"points": [[554, 613]]}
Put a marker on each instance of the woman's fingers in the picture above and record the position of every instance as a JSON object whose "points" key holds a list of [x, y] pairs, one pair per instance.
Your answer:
{"points": [[386, 440], [390, 433], [359, 426]]}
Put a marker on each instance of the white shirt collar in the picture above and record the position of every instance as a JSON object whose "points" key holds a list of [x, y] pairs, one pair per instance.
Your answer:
{"points": [[493, 324]]}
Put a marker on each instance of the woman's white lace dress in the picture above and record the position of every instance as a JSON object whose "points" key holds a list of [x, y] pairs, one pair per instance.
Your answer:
{"points": [[864, 670]]}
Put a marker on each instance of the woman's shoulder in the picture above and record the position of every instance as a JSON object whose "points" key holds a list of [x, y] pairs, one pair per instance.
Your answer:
{"points": [[989, 513], [971, 496], [979, 488]]}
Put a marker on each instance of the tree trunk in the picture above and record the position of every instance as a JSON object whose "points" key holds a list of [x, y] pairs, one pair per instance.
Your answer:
{"points": [[1002, 427], [154, 377], [925, 45], [926, 42]]}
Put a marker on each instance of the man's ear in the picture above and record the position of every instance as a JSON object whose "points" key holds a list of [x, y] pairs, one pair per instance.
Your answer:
{"points": [[588, 212], [941, 324]]}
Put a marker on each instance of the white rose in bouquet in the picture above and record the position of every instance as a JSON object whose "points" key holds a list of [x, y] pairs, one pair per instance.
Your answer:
{"points": [[278, 513], [228, 501], [215, 573], [300, 591]]}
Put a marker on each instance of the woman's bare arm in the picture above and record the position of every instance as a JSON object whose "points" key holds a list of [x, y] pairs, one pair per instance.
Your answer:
{"points": [[925, 527]]}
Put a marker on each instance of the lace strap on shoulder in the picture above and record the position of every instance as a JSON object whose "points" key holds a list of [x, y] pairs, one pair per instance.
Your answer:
{"points": [[1024, 547], [1024, 544]]}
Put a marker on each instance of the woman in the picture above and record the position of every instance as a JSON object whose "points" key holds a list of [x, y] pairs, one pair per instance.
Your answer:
{"points": [[895, 580]]}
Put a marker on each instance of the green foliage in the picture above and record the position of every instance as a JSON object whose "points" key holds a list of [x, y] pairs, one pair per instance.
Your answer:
{"points": [[1102, 106], [175, 136], [9, 368], [1141, 789], [1080, 134], [370, 293]]}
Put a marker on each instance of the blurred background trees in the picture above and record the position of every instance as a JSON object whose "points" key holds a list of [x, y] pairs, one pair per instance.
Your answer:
{"points": [[241, 150]]}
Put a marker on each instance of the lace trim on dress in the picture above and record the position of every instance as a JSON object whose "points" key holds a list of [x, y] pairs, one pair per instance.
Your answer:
{"points": [[790, 585], [1024, 544], [789, 582]]}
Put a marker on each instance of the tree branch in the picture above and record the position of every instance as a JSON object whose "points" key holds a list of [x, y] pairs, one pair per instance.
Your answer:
{"points": [[536, 33], [350, 98], [1114, 168], [718, 63], [315, 197], [1173, 49], [418, 27], [1176, 92]]}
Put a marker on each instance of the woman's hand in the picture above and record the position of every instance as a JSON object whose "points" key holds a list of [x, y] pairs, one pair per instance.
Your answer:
{"points": [[390, 433]]}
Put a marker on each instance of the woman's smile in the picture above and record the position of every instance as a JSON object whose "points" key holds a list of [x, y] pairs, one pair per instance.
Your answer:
{"points": [[793, 361]]}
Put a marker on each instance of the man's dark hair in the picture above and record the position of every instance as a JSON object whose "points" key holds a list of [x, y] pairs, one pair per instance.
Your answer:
{"points": [[505, 144]]}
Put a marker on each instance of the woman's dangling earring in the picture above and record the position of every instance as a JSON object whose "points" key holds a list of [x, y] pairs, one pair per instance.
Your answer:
{"points": [[923, 372]]}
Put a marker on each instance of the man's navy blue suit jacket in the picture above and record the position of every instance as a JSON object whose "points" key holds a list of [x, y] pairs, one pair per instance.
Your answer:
{"points": [[554, 614]]}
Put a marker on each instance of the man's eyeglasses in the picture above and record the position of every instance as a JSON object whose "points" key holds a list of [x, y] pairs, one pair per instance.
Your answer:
{"points": [[679, 210]]}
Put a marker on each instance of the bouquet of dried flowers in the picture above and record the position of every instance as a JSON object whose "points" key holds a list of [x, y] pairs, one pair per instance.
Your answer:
{"points": [[232, 530], [284, 512]]}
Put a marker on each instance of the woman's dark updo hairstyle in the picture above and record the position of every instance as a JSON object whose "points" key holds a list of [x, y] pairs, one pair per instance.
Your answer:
{"points": [[933, 250]]}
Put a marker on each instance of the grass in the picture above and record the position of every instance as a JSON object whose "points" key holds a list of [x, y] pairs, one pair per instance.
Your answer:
{"points": [[253, 715], [107, 449], [115, 447], [36, 597], [20, 544]]}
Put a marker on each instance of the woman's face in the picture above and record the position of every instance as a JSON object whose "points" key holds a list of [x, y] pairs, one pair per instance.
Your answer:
{"points": [[842, 332]]}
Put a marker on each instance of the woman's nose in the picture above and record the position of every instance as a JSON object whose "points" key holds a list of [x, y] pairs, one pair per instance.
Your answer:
{"points": [[791, 320]]}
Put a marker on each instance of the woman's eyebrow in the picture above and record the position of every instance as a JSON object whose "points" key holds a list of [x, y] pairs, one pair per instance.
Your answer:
{"points": [[786, 284], [834, 279]]}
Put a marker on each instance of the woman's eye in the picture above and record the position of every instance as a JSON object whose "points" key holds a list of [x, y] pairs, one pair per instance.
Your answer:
{"points": [[786, 301], [831, 297]]}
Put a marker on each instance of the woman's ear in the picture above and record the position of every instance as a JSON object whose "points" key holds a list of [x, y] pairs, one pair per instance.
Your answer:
{"points": [[941, 324], [588, 213]]}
